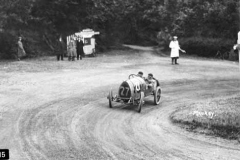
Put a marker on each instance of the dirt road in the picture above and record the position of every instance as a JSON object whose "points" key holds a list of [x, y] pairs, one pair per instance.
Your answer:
{"points": [[61, 113]]}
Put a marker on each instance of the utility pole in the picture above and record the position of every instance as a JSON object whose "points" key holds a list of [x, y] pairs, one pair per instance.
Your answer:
{"points": [[237, 46], [238, 41]]}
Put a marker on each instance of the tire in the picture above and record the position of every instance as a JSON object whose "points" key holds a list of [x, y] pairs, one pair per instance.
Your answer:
{"points": [[157, 96], [110, 97], [140, 102]]}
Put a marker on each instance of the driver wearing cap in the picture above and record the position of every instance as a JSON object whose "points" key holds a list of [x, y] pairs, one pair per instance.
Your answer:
{"points": [[140, 74], [150, 82]]}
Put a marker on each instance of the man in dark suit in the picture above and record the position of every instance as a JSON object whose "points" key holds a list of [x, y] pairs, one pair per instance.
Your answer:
{"points": [[80, 52], [59, 49]]}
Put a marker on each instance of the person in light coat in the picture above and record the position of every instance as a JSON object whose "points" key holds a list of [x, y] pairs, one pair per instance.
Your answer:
{"points": [[72, 49], [20, 50], [174, 45]]}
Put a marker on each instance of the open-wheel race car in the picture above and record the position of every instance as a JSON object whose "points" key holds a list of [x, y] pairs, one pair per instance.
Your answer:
{"points": [[134, 90]]}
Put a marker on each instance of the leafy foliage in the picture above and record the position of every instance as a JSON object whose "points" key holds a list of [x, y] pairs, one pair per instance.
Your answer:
{"points": [[129, 21], [206, 47]]}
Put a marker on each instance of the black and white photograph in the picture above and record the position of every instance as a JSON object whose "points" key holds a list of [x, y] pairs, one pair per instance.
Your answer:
{"points": [[120, 79]]}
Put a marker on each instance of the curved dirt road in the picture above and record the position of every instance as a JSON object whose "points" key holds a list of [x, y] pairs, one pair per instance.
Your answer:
{"points": [[63, 113]]}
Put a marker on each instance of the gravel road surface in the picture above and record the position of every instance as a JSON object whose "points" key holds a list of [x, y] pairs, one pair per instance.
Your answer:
{"points": [[63, 114]]}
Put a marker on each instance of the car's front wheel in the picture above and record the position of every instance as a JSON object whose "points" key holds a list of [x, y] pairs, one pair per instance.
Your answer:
{"points": [[157, 95]]}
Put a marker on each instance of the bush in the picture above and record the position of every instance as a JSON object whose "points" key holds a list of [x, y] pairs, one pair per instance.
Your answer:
{"points": [[33, 44], [8, 46], [206, 47], [233, 55]]}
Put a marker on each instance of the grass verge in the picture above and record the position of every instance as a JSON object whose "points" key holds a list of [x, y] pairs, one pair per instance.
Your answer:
{"points": [[219, 117]]}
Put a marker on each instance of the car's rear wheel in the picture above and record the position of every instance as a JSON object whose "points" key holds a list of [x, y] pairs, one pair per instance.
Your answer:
{"points": [[110, 98], [140, 102], [157, 95]]}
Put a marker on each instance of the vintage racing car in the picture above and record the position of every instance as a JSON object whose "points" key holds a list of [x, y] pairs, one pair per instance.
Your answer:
{"points": [[133, 91]]}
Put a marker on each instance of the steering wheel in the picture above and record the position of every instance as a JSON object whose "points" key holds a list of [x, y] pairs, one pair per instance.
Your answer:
{"points": [[132, 76]]}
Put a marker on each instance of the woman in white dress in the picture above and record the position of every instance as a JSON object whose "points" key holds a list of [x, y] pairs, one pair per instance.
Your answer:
{"points": [[174, 45]]}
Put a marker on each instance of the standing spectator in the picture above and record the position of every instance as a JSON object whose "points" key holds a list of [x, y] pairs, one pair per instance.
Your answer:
{"points": [[174, 45], [74, 52], [72, 49], [59, 49], [80, 51], [69, 48], [20, 51]]}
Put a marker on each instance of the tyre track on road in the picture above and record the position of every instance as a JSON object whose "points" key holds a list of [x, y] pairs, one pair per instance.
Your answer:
{"points": [[94, 131], [81, 126]]}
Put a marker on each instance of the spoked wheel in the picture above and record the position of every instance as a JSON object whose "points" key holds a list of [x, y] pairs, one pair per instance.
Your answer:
{"points": [[110, 98], [140, 102], [157, 95]]}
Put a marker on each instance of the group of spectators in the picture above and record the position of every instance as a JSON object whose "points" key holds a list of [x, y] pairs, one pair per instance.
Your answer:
{"points": [[74, 48]]}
